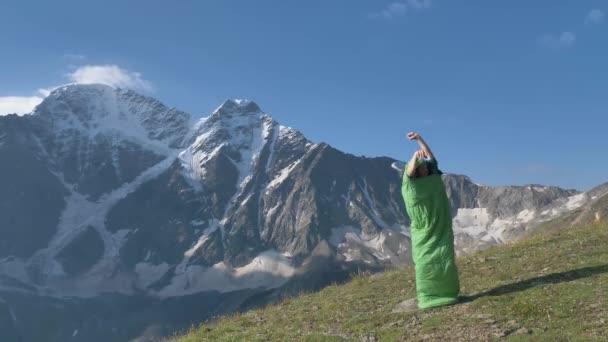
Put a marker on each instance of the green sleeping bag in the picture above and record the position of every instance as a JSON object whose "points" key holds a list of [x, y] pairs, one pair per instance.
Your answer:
{"points": [[432, 237]]}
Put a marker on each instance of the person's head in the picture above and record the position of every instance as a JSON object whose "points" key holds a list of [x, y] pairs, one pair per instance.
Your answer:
{"points": [[422, 169]]}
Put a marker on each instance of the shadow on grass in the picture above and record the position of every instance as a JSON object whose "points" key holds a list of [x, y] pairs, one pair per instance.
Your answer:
{"points": [[553, 278]]}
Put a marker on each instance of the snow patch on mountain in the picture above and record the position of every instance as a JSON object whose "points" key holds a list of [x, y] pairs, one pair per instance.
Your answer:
{"points": [[471, 221], [476, 224], [213, 226], [249, 146], [352, 242], [14, 268], [576, 201], [93, 110], [273, 210], [148, 274], [282, 175], [526, 215], [371, 204], [269, 269], [81, 213]]}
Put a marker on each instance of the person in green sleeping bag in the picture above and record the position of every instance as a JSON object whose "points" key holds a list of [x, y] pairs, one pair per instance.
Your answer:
{"points": [[428, 207]]}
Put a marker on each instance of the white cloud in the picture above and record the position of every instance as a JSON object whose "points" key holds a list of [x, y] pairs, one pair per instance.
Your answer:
{"points": [[46, 91], [563, 40], [595, 16], [399, 8], [18, 104], [111, 75], [21, 105]]}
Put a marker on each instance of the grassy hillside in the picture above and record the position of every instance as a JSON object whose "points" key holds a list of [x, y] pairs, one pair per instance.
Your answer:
{"points": [[551, 287]]}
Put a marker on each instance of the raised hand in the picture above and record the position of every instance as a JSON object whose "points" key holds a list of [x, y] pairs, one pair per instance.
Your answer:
{"points": [[413, 136]]}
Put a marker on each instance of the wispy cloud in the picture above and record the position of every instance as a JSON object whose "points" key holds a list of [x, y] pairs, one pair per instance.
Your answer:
{"points": [[74, 57], [567, 38], [557, 41], [392, 10], [400, 8], [419, 4], [595, 16], [46, 91], [111, 75], [19, 105]]}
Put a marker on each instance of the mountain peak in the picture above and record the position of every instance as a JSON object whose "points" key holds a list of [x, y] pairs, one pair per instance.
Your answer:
{"points": [[80, 88], [238, 106], [98, 108]]}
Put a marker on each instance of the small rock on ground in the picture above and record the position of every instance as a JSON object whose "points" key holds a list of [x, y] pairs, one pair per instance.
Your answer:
{"points": [[410, 305]]}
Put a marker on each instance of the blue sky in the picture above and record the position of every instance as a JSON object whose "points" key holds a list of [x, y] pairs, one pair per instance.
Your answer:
{"points": [[508, 93]]}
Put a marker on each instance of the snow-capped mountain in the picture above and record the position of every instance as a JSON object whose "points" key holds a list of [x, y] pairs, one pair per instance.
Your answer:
{"points": [[106, 191]]}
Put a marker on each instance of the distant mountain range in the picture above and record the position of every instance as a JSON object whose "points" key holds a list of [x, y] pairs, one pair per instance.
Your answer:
{"points": [[119, 211]]}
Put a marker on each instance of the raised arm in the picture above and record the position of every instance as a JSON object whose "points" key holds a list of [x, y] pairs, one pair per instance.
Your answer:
{"points": [[423, 146], [411, 165]]}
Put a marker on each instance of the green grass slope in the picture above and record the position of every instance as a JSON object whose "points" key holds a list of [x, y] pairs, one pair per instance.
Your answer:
{"points": [[550, 287]]}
